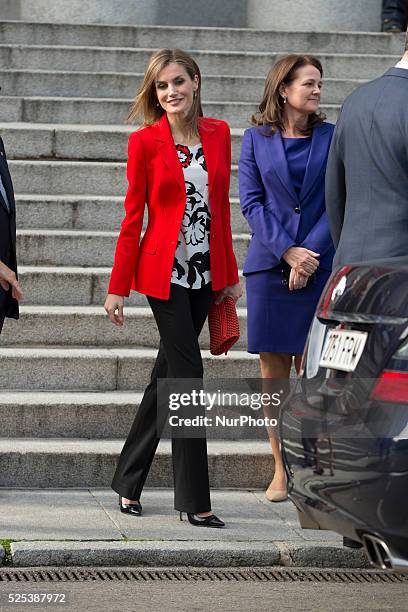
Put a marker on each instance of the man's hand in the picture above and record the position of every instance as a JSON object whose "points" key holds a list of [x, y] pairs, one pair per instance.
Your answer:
{"points": [[114, 308], [234, 291], [8, 279], [302, 260]]}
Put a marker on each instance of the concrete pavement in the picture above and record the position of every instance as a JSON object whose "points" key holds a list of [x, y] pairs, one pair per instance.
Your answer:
{"points": [[85, 527]]}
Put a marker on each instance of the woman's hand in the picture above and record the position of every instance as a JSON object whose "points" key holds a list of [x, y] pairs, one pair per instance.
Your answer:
{"points": [[8, 279], [114, 308], [234, 291], [297, 280], [302, 260]]}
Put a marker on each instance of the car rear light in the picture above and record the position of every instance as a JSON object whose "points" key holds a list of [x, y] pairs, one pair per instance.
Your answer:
{"points": [[391, 387]]}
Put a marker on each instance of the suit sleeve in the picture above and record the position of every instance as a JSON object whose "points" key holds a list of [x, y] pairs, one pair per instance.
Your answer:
{"points": [[319, 238], [232, 268], [267, 228], [127, 246], [335, 187]]}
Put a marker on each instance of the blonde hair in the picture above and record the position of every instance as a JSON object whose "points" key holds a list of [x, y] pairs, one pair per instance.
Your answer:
{"points": [[270, 110], [146, 104]]}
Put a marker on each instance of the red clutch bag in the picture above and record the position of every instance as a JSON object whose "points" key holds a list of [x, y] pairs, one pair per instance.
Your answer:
{"points": [[223, 325]]}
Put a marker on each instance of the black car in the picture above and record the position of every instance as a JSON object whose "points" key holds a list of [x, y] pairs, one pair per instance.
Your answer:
{"points": [[344, 428]]}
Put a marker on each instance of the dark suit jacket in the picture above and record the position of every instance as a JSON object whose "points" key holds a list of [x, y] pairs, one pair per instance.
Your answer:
{"points": [[367, 172], [271, 205], [7, 234]]}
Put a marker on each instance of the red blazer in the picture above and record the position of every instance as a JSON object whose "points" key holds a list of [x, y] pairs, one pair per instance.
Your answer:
{"points": [[155, 177]]}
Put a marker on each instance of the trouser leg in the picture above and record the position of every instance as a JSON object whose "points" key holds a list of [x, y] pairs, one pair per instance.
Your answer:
{"points": [[190, 464], [140, 446], [395, 10], [179, 321]]}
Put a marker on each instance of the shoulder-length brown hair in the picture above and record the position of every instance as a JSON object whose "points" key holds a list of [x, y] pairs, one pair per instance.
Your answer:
{"points": [[146, 104], [270, 110]]}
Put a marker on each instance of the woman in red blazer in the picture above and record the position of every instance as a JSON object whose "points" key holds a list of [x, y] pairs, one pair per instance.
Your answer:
{"points": [[179, 165]]}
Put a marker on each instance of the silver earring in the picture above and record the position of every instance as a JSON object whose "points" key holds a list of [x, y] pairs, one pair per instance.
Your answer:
{"points": [[284, 99]]}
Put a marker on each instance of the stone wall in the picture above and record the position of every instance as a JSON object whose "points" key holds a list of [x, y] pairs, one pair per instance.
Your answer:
{"points": [[10, 9], [221, 13], [302, 15], [321, 15]]}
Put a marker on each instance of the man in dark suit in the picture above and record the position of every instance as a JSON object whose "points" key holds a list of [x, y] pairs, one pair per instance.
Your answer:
{"points": [[367, 170], [10, 291]]}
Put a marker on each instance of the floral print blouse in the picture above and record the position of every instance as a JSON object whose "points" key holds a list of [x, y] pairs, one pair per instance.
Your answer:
{"points": [[191, 267]]}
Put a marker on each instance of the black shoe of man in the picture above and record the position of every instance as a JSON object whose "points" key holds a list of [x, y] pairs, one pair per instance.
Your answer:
{"points": [[390, 26]]}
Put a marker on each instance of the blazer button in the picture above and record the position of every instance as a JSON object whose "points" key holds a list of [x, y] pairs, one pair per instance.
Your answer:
{"points": [[297, 210]]}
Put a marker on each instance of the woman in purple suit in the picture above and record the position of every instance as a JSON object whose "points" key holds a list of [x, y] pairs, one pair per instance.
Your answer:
{"points": [[281, 184]]}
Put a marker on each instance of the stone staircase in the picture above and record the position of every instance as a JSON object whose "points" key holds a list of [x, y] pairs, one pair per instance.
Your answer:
{"points": [[71, 381]]}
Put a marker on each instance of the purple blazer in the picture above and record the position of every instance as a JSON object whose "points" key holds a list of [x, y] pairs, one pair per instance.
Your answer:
{"points": [[270, 203]]}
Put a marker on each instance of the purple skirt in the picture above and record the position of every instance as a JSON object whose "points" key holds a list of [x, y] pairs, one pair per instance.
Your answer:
{"points": [[278, 320]]}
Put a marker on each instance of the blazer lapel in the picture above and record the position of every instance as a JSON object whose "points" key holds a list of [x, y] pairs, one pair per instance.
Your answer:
{"points": [[168, 152], [211, 148], [2, 202], [6, 179], [276, 157], [317, 157]]}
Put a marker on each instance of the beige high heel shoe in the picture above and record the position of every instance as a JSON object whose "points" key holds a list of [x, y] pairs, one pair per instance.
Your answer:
{"points": [[276, 495]]}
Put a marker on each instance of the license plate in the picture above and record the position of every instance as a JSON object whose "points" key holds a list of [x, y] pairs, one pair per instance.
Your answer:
{"points": [[342, 349]]}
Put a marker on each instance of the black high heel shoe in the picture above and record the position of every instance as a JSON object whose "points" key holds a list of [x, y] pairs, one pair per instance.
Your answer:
{"points": [[203, 521], [134, 509]]}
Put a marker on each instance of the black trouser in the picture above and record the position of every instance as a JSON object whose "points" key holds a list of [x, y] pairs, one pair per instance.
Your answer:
{"points": [[395, 10], [180, 320]]}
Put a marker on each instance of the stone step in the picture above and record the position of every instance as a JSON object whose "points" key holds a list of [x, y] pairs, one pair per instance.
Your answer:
{"points": [[99, 416], [68, 286], [67, 414], [65, 247], [83, 248], [96, 112], [88, 213], [243, 39], [69, 212], [68, 177], [31, 141], [127, 60], [89, 326], [73, 462], [78, 178], [102, 369], [29, 87]]}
